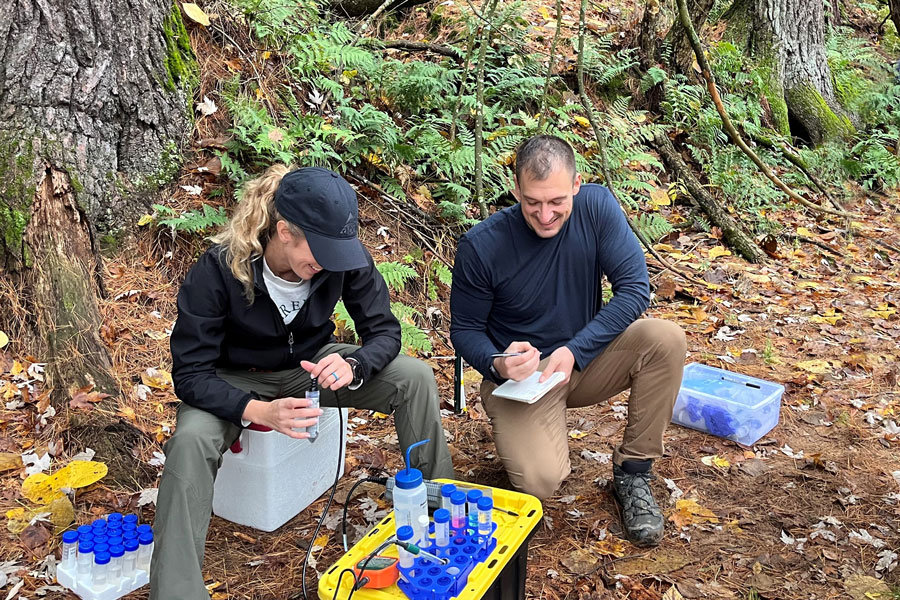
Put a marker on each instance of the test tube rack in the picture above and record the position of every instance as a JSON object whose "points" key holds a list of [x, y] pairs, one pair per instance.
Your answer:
{"points": [[428, 580]]}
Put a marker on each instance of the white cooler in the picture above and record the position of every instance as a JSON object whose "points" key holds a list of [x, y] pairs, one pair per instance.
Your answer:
{"points": [[267, 478]]}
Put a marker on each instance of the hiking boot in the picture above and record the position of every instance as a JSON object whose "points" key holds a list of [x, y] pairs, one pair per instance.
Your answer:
{"points": [[641, 516]]}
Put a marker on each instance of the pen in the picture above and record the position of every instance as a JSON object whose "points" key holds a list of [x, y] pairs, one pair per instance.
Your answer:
{"points": [[505, 354]]}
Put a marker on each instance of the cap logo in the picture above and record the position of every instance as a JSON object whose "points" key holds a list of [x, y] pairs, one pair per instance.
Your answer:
{"points": [[349, 227]]}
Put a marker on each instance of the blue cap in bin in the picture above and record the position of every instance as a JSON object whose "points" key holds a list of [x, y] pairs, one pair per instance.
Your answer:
{"points": [[130, 535], [116, 551], [84, 529], [405, 533], [457, 498], [100, 548], [131, 545], [70, 537], [115, 541], [130, 518], [99, 524], [101, 558], [85, 537], [485, 503], [410, 478], [142, 529], [145, 539], [85, 547], [474, 495], [447, 490], [114, 518], [441, 515]]}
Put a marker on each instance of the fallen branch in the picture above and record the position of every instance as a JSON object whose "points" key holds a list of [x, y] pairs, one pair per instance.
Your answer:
{"points": [[549, 76], [731, 230], [601, 142], [423, 47], [479, 109], [685, 18]]}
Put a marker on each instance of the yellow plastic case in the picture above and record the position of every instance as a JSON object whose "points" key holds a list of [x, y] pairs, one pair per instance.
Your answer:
{"points": [[511, 533]]}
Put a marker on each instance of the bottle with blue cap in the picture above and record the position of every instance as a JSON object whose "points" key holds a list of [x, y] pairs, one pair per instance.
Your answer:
{"points": [[145, 552], [99, 573], [85, 558], [69, 548], [410, 496], [129, 559], [405, 534]]}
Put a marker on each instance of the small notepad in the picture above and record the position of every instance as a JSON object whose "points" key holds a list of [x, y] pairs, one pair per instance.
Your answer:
{"points": [[528, 390]]}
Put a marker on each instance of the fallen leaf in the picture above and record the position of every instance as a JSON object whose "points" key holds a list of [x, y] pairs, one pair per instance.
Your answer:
{"points": [[4, 339], [145, 220], [577, 434], [85, 397], [863, 587], [610, 546], [688, 512], [10, 461], [207, 107], [715, 253], [157, 378], [34, 536], [817, 366], [580, 561], [659, 197], [275, 135], [195, 13], [715, 461], [662, 561], [582, 121], [672, 594], [62, 513]]}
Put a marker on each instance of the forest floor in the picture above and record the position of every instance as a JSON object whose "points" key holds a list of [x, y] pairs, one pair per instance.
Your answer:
{"points": [[812, 510]]}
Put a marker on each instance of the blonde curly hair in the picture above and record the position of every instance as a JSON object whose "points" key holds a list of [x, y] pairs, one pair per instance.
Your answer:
{"points": [[252, 225]]}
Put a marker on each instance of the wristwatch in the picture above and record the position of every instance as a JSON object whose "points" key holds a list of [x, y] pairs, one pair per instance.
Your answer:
{"points": [[494, 372], [357, 373]]}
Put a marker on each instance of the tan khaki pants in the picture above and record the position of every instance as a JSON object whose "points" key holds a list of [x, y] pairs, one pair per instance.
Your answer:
{"points": [[532, 439]]}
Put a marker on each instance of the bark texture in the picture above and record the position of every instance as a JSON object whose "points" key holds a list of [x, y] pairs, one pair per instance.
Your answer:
{"points": [[788, 39], [682, 58], [93, 110]]}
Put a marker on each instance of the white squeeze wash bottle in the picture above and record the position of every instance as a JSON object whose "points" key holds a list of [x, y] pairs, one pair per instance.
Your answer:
{"points": [[410, 496]]}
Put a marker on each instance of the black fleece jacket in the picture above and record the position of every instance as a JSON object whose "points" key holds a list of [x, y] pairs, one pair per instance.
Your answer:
{"points": [[217, 328]]}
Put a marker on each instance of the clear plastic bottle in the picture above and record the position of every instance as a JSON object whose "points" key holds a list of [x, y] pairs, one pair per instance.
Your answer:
{"points": [[405, 534], [446, 491], [442, 527], [458, 510], [410, 496], [312, 394], [485, 518], [69, 549], [423, 541], [145, 552], [473, 497], [115, 564], [85, 558], [99, 574], [129, 559]]}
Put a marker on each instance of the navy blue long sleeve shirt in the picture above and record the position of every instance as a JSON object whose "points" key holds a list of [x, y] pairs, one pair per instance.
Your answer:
{"points": [[509, 284]]}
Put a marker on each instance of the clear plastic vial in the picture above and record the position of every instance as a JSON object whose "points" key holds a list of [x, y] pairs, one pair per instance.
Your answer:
{"points": [[145, 551], [115, 563], [69, 548], [473, 497], [99, 574], [485, 517], [85, 558], [422, 538], [458, 510], [312, 394], [446, 491], [442, 527], [405, 534], [129, 559]]}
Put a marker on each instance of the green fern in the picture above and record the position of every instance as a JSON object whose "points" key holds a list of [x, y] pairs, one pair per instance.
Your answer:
{"points": [[190, 221], [396, 274], [652, 225]]}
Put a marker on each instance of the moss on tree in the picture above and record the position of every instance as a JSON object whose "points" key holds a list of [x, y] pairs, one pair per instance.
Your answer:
{"points": [[17, 193], [810, 108], [181, 65]]}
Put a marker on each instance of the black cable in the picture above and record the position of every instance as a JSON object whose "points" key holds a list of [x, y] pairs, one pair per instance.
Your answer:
{"points": [[379, 480], [337, 476], [337, 588]]}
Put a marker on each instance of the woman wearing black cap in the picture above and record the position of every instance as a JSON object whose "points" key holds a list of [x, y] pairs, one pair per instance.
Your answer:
{"points": [[254, 323]]}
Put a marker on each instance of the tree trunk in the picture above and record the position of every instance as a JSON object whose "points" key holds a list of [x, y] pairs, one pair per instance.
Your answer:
{"points": [[92, 113], [787, 37], [894, 6], [682, 58]]}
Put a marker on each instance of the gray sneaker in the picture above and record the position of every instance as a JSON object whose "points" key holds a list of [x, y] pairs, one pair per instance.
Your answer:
{"points": [[641, 516]]}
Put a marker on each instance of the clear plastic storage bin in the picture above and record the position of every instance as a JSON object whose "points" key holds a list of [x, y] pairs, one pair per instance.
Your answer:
{"points": [[726, 404]]}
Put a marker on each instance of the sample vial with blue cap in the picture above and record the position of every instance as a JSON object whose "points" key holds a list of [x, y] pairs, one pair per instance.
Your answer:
{"points": [[99, 524], [442, 527], [142, 529], [458, 510], [101, 547], [473, 497], [410, 496], [485, 517], [145, 551], [446, 491], [85, 557], [312, 394], [85, 529], [129, 559], [405, 534], [130, 518], [99, 572], [69, 548], [115, 562], [115, 517]]}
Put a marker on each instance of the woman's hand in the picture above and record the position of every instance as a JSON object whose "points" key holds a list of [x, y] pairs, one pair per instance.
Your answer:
{"points": [[332, 372], [283, 415]]}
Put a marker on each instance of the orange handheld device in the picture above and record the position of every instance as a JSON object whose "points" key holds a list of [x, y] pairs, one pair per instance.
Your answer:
{"points": [[381, 571]]}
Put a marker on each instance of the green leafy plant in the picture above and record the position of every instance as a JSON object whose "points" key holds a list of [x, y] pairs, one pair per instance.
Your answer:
{"points": [[200, 221]]}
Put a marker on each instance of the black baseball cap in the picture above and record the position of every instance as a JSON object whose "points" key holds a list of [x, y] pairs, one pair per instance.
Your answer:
{"points": [[322, 204]]}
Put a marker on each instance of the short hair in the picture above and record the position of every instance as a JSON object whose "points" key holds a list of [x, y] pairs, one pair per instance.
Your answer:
{"points": [[541, 153]]}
